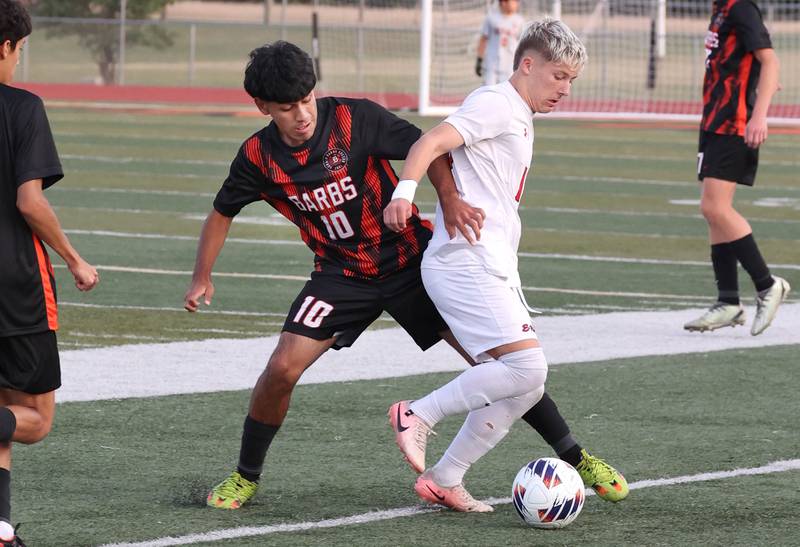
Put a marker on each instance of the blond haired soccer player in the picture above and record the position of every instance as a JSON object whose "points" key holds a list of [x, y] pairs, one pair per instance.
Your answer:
{"points": [[29, 365], [500, 34], [476, 287]]}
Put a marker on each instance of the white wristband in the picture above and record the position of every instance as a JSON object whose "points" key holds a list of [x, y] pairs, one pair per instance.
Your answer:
{"points": [[405, 190]]}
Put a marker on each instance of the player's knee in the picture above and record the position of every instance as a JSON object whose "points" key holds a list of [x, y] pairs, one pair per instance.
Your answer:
{"points": [[282, 371], [529, 369], [713, 211], [36, 430]]}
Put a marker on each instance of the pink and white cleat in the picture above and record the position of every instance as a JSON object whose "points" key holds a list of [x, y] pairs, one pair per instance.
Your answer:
{"points": [[455, 497], [410, 433]]}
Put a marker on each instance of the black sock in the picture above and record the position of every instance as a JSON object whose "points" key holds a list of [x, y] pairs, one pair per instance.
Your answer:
{"points": [[8, 424], [256, 439], [545, 418], [750, 257], [572, 455], [5, 495], [723, 258]]}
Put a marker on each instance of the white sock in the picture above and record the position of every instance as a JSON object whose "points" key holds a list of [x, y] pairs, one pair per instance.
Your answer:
{"points": [[481, 432], [515, 374]]}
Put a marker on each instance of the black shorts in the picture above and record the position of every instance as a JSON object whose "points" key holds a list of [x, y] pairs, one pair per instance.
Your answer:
{"points": [[332, 305], [726, 157], [30, 363]]}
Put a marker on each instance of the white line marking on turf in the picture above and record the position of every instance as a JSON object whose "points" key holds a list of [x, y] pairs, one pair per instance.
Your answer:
{"points": [[135, 159], [135, 235], [403, 512], [193, 366], [626, 260], [187, 273]]}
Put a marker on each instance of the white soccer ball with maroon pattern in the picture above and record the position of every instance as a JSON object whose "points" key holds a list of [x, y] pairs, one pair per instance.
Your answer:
{"points": [[548, 493]]}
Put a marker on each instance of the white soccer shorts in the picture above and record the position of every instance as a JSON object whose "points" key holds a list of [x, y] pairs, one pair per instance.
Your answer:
{"points": [[480, 309]]}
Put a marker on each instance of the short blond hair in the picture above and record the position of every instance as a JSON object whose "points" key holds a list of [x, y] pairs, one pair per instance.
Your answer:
{"points": [[554, 41]]}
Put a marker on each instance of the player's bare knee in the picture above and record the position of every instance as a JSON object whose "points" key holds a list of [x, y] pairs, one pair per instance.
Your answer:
{"points": [[710, 211], [36, 430], [282, 371]]}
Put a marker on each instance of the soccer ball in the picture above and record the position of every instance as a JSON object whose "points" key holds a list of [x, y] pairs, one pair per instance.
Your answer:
{"points": [[548, 493]]}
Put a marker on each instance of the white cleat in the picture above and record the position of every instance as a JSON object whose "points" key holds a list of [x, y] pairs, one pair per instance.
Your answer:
{"points": [[719, 315], [767, 305]]}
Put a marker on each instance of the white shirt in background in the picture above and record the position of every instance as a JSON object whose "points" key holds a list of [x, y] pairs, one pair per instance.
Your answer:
{"points": [[503, 32]]}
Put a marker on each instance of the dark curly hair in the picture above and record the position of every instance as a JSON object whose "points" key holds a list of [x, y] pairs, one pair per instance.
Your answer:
{"points": [[15, 23], [279, 72]]}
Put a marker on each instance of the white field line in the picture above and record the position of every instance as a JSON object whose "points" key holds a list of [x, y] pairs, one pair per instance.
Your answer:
{"points": [[194, 367], [166, 309], [646, 214], [138, 159], [179, 309], [143, 174], [636, 157], [644, 182], [547, 135], [780, 466], [186, 273], [276, 219], [423, 215], [552, 153], [94, 190], [153, 138], [136, 235]]}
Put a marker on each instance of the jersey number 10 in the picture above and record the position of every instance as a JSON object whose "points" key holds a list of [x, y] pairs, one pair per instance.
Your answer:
{"points": [[337, 225]]}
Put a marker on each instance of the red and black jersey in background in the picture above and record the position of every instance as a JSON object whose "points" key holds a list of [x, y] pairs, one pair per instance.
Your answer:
{"points": [[334, 187], [27, 152], [729, 88]]}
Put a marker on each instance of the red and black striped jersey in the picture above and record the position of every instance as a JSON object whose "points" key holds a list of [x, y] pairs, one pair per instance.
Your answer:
{"points": [[334, 187], [731, 78], [27, 152]]}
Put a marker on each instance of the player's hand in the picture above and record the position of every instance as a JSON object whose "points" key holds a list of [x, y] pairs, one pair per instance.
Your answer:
{"points": [[198, 289], [396, 214], [460, 215], [756, 131], [86, 276], [479, 67]]}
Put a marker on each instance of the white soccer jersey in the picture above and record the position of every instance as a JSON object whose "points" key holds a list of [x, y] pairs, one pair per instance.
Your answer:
{"points": [[489, 169], [503, 32]]}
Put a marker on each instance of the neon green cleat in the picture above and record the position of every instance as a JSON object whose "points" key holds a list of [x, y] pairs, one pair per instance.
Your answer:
{"points": [[606, 481], [232, 493]]}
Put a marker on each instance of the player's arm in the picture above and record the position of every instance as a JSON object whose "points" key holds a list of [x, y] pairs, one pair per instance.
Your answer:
{"points": [[37, 212], [457, 213], [212, 239], [756, 130], [438, 141]]}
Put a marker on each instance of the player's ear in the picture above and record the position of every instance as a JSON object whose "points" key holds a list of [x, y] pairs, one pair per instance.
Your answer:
{"points": [[262, 106], [527, 62], [5, 49]]}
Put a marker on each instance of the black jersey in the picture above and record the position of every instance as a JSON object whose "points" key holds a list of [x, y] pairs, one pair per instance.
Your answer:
{"points": [[334, 187], [732, 71], [27, 152]]}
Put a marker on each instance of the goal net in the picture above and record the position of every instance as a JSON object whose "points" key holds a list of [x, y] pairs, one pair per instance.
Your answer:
{"points": [[646, 57]]}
